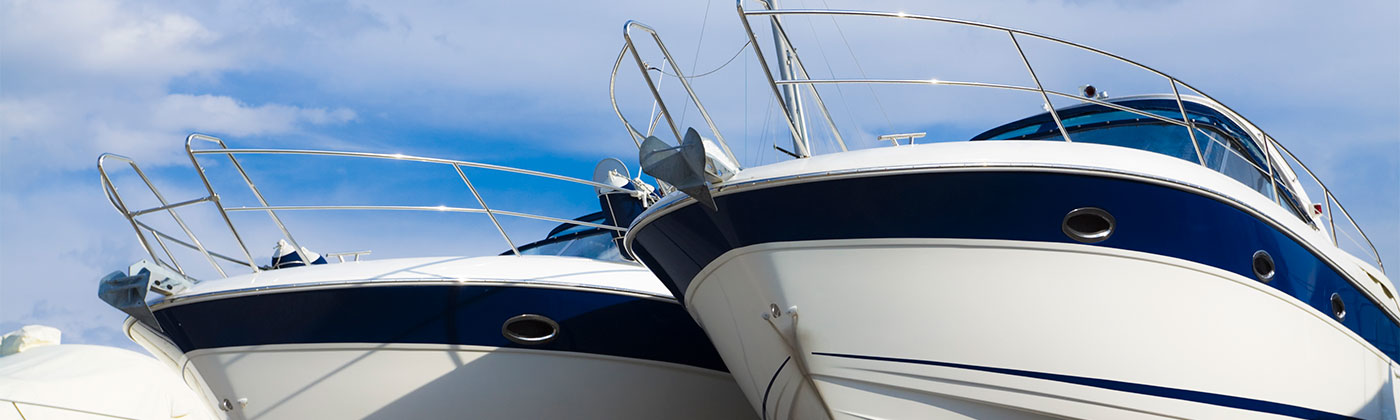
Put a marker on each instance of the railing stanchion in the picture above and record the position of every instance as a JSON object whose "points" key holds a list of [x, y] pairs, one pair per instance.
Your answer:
{"points": [[1269, 162], [178, 220], [1190, 126], [1331, 222], [173, 261], [189, 149], [115, 198], [131, 216], [1049, 106], [476, 194], [637, 136]]}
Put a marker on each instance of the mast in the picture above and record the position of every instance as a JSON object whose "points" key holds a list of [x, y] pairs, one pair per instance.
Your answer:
{"points": [[792, 94]]}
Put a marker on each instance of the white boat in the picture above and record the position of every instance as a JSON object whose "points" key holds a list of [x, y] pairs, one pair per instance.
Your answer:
{"points": [[86, 382], [1111, 259], [562, 327]]}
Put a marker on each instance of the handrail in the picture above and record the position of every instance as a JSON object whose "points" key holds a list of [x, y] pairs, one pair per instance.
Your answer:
{"points": [[1012, 32], [636, 135], [397, 156], [341, 255], [114, 197], [169, 260], [189, 149], [656, 92], [435, 208], [939, 82], [171, 206], [1329, 199], [1273, 162]]}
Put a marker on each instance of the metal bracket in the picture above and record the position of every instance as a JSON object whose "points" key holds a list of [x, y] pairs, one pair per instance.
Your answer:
{"points": [[162, 280], [894, 138]]}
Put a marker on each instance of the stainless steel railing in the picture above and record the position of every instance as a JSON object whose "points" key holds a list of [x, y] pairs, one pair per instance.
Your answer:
{"points": [[163, 241], [656, 92], [1273, 161]]}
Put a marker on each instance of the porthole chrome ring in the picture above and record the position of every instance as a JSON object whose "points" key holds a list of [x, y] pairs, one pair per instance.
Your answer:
{"points": [[530, 329], [1088, 225], [1339, 307], [1263, 266]]}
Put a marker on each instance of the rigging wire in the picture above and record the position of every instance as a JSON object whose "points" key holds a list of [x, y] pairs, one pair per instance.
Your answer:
{"points": [[859, 68], [654, 118], [721, 66], [685, 108], [767, 118], [832, 73]]}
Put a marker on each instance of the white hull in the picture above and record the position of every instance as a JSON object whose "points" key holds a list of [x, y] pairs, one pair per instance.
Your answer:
{"points": [[1118, 333], [310, 370], [406, 381]]}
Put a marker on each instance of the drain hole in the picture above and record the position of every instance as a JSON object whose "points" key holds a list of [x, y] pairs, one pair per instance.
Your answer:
{"points": [[1263, 266], [1088, 224], [1339, 308], [530, 329]]}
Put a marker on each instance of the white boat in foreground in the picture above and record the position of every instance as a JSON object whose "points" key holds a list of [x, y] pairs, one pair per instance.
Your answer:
{"points": [[560, 328], [1148, 256], [42, 379]]}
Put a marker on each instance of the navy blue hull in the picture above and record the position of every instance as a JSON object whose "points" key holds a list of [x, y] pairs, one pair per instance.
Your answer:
{"points": [[589, 322], [1007, 205]]}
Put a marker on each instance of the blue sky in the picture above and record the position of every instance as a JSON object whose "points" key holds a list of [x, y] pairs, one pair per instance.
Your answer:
{"points": [[526, 85]]}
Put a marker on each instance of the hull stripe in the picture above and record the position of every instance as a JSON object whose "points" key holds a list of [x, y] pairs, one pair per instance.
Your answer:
{"points": [[1135, 388], [589, 321], [764, 407]]}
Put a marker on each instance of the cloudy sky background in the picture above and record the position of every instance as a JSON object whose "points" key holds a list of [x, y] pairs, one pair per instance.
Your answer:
{"points": [[527, 85]]}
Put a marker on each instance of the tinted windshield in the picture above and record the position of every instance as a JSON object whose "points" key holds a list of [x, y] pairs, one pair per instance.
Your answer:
{"points": [[571, 240], [1224, 146], [597, 244]]}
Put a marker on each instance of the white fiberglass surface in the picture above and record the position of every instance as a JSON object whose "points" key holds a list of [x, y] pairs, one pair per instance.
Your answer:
{"points": [[544, 270], [1090, 322], [415, 381]]}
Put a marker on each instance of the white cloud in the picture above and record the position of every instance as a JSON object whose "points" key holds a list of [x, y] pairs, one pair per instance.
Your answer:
{"points": [[179, 112], [65, 132], [91, 44], [86, 76]]}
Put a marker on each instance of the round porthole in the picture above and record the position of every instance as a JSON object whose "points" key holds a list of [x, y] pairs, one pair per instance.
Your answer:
{"points": [[1263, 266], [1088, 225], [530, 329], [1339, 308]]}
